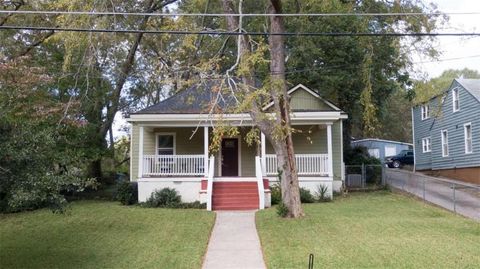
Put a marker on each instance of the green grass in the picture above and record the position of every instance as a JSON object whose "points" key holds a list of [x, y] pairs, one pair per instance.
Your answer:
{"points": [[97, 234], [370, 230]]}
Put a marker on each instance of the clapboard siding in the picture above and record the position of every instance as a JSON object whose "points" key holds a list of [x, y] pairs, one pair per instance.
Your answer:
{"points": [[302, 100], [453, 122], [422, 129]]}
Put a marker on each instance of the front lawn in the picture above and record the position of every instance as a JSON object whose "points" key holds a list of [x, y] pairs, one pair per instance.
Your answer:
{"points": [[97, 234], [370, 230]]}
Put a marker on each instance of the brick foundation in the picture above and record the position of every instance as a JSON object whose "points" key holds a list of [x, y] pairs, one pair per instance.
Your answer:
{"points": [[469, 175]]}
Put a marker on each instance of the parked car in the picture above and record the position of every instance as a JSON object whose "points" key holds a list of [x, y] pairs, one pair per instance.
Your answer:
{"points": [[402, 158]]}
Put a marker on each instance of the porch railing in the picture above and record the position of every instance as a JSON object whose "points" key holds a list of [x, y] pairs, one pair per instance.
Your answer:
{"points": [[173, 165], [307, 164]]}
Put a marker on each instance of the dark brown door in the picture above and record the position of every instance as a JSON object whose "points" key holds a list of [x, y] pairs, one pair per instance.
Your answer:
{"points": [[230, 157]]}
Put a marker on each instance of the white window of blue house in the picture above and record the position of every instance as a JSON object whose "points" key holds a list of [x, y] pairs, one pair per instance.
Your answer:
{"points": [[426, 144], [444, 143], [425, 112], [456, 100], [374, 153], [165, 144], [467, 127]]}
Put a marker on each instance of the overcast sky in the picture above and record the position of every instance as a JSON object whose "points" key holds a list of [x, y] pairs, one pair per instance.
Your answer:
{"points": [[467, 49]]}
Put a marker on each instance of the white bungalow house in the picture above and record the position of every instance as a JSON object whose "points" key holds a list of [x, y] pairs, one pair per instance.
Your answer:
{"points": [[170, 148]]}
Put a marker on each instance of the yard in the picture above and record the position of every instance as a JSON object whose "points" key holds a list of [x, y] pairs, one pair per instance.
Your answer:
{"points": [[370, 230], [97, 234]]}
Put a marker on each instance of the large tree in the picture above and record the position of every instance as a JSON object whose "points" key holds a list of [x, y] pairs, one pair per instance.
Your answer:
{"points": [[94, 70], [278, 130]]}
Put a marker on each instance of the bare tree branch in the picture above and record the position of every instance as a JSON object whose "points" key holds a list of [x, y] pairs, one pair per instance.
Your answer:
{"points": [[17, 5], [36, 44], [127, 65]]}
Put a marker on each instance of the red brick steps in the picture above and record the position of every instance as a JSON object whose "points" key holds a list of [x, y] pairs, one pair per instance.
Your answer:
{"points": [[235, 196]]}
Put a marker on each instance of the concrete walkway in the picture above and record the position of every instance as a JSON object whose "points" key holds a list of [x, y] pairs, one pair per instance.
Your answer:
{"points": [[234, 242]]}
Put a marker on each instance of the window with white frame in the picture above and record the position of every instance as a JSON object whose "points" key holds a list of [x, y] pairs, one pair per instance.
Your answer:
{"points": [[425, 112], [165, 144], [468, 137], [444, 143], [455, 99], [427, 144]]}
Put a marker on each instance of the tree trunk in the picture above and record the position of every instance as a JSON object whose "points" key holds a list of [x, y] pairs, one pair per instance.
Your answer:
{"points": [[95, 169], [282, 145]]}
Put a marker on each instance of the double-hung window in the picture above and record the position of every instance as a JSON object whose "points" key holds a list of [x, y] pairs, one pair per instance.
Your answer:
{"points": [[165, 144], [426, 144], [444, 143], [456, 100], [467, 128], [425, 112]]}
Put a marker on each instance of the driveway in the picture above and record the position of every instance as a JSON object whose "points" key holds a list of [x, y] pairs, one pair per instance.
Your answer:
{"points": [[462, 198]]}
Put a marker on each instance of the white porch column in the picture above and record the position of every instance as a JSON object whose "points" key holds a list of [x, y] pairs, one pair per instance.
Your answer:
{"points": [[140, 152], [263, 152], [330, 150], [205, 150]]}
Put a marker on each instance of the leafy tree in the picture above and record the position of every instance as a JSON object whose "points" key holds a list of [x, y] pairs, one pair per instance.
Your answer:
{"points": [[357, 73], [395, 117], [426, 89], [92, 70], [40, 158]]}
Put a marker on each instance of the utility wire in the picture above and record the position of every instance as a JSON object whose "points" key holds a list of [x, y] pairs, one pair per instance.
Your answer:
{"points": [[224, 33], [448, 59], [102, 13]]}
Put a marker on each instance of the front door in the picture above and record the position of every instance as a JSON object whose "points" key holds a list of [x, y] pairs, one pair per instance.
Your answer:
{"points": [[229, 157]]}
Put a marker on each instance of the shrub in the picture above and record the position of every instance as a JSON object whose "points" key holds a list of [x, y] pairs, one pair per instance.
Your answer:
{"points": [[282, 210], [373, 174], [195, 205], [306, 196], [276, 194], [359, 155], [321, 193], [127, 193], [166, 197]]}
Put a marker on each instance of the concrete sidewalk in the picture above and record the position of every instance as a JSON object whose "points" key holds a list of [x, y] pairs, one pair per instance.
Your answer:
{"points": [[234, 242]]}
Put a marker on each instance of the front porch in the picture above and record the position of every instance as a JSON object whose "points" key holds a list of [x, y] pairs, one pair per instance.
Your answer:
{"points": [[179, 157]]}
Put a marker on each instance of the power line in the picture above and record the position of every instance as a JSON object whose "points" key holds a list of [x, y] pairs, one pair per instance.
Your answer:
{"points": [[104, 13], [448, 59], [229, 33]]}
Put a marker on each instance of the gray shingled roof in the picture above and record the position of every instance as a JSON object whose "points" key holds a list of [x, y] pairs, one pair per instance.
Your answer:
{"points": [[471, 85], [197, 99], [194, 100]]}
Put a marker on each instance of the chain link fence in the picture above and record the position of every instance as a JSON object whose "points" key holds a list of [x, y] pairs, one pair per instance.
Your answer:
{"points": [[364, 177], [459, 197]]}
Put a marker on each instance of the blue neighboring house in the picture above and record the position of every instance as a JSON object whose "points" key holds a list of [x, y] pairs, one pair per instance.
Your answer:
{"points": [[380, 148], [446, 132]]}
